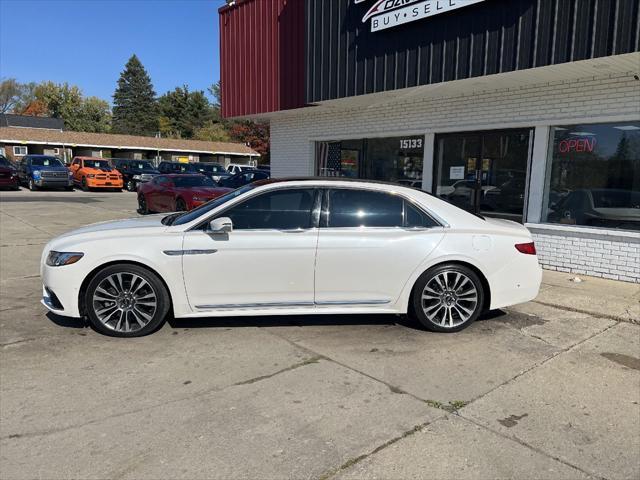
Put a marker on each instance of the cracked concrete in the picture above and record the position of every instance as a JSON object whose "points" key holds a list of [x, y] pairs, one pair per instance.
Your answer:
{"points": [[532, 392]]}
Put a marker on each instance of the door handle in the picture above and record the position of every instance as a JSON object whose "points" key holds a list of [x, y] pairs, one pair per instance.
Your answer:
{"points": [[294, 230]]}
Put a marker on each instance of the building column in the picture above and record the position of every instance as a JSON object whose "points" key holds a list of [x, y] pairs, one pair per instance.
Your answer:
{"points": [[537, 174], [427, 162]]}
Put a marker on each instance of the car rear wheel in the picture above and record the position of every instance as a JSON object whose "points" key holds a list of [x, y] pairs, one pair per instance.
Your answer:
{"points": [[448, 298], [130, 186], [126, 301]]}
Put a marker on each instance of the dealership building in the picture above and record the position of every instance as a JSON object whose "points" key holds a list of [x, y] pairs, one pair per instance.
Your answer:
{"points": [[521, 109]]}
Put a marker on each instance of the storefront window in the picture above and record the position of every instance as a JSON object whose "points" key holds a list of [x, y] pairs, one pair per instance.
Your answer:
{"points": [[484, 172], [594, 176], [392, 159]]}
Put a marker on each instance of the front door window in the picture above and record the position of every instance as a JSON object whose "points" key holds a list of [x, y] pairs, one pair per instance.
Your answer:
{"points": [[484, 172]]}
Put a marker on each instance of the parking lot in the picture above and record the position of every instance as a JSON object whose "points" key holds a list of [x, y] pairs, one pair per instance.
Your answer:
{"points": [[530, 392]]}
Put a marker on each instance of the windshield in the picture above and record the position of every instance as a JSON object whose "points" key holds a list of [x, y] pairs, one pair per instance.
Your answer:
{"points": [[96, 164], [142, 165], [211, 167], [46, 162], [4, 162], [186, 182], [209, 206]]}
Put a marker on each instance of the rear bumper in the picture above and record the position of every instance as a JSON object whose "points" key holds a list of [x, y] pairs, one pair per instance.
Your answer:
{"points": [[517, 282]]}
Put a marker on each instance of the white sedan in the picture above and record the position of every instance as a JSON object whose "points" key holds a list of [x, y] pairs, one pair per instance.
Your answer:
{"points": [[293, 246]]}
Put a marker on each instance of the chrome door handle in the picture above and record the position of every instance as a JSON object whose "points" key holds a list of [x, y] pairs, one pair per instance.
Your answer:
{"points": [[294, 230]]}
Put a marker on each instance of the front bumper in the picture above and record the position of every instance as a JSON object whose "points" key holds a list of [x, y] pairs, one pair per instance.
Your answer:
{"points": [[92, 183], [53, 182], [61, 289]]}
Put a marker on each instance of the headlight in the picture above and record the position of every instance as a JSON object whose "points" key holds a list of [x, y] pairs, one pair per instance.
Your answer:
{"points": [[137, 177], [58, 259], [36, 174]]}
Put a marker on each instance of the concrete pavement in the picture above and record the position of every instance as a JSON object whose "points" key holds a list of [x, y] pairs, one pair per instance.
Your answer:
{"points": [[536, 391]]}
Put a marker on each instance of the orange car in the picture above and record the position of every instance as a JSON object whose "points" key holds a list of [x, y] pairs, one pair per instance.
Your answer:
{"points": [[92, 172]]}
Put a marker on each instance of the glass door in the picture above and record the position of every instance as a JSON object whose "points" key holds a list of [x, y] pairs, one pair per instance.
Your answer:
{"points": [[484, 172]]}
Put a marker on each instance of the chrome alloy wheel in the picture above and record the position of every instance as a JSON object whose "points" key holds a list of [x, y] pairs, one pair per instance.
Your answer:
{"points": [[449, 299], [124, 302]]}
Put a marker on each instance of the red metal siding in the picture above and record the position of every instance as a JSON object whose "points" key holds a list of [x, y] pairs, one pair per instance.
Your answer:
{"points": [[261, 56]]}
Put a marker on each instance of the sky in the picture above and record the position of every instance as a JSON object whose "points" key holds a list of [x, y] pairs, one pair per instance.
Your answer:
{"points": [[87, 42]]}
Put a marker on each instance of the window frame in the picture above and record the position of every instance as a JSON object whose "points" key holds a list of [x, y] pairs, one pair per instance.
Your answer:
{"points": [[315, 211], [26, 151], [325, 211]]}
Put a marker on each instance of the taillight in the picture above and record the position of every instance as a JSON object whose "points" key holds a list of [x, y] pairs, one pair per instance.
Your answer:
{"points": [[526, 248]]}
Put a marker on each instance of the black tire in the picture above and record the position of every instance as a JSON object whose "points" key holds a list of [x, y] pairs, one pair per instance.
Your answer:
{"points": [[456, 299], [143, 208], [83, 185], [153, 284], [32, 186], [181, 206], [131, 185]]}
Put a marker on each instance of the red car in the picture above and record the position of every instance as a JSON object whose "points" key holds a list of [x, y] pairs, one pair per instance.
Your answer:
{"points": [[175, 193], [8, 175]]}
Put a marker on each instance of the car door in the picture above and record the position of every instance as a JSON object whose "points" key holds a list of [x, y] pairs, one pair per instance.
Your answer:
{"points": [[164, 195], [267, 261], [152, 191], [369, 245]]}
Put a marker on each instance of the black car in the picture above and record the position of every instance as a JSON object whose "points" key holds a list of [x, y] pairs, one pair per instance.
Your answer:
{"points": [[134, 172], [243, 178], [214, 171]]}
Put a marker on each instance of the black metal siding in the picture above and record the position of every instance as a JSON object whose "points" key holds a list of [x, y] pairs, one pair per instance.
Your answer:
{"points": [[344, 58]]}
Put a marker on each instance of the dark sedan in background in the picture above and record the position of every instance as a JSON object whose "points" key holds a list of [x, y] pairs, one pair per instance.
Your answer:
{"points": [[8, 175], [243, 178], [180, 192]]}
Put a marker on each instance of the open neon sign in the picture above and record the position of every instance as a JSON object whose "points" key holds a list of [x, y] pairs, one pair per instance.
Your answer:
{"points": [[577, 145]]}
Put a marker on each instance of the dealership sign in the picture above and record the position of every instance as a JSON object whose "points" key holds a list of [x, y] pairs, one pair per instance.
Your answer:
{"points": [[391, 13]]}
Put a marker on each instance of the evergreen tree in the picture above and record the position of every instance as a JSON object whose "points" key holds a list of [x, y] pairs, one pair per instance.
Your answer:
{"points": [[135, 110]]}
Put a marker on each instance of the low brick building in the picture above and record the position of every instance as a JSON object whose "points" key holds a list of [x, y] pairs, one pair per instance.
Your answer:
{"points": [[35, 135]]}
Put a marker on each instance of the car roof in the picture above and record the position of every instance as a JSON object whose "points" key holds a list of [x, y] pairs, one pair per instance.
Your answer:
{"points": [[91, 158]]}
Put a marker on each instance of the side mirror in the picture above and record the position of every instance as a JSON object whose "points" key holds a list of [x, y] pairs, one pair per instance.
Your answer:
{"points": [[220, 225]]}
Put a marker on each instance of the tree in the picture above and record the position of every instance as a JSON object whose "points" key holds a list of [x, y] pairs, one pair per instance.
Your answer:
{"points": [[135, 110], [254, 134], [10, 91], [183, 112], [65, 101], [213, 132]]}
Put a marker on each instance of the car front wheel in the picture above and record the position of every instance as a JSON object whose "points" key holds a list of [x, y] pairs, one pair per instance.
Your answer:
{"points": [[448, 298], [32, 186], [126, 301], [131, 186]]}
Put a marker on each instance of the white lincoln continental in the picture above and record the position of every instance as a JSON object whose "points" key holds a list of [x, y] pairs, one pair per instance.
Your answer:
{"points": [[293, 246]]}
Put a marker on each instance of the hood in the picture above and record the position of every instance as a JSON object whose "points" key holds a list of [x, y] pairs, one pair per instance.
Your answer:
{"points": [[100, 170], [50, 168], [138, 171], [115, 227]]}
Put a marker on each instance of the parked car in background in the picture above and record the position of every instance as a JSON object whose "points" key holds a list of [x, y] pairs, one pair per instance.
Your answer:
{"points": [[599, 207], [178, 192], [8, 174], [94, 172], [214, 171], [175, 168], [234, 168], [294, 246], [243, 178], [266, 168], [44, 171], [134, 172]]}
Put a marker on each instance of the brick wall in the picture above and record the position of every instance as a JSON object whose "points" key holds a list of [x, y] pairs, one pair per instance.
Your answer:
{"points": [[598, 254], [589, 253]]}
